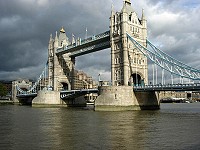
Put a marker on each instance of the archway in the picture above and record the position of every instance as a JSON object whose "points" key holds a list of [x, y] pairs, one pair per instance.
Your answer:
{"points": [[136, 80], [65, 86]]}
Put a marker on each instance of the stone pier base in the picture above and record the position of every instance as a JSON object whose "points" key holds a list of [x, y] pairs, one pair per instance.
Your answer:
{"points": [[118, 98], [47, 98]]}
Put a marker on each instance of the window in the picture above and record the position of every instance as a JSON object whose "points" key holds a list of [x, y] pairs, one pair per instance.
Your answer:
{"points": [[134, 60], [129, 17]]}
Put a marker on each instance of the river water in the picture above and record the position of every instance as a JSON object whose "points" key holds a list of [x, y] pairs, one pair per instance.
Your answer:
{"points": [[174, 126]]}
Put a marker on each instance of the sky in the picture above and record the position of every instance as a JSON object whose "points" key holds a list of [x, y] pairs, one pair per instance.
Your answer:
{"points": [[26, 25]]}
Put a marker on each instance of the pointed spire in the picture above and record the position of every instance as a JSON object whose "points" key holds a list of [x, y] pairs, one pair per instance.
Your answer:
{"points": [[144, 21], [56, 37], [56, 40], [51, 38], [143, 16], [112, 9], [73, 39], [50, 41]]}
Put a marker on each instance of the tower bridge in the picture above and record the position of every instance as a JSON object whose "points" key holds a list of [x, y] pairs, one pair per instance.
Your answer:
{"points": [[130, 53]]}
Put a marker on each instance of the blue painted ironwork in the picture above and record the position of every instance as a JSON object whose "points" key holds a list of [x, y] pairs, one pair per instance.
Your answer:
{"points": [[76, 93], [166, 62], [34, 88], [168, 87], [89, 45]]}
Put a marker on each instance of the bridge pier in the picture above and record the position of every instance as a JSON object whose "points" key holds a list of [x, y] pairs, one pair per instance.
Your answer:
{"points": [[119, 98], [47, 98]]}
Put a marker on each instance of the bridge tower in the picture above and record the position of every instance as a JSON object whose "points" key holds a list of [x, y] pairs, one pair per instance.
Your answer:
{"points": [[61, 68], [128, 65]]}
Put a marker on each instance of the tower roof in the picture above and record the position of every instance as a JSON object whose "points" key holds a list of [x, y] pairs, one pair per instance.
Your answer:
{"points": [[62, 30], [127, 7], [127, 1]]}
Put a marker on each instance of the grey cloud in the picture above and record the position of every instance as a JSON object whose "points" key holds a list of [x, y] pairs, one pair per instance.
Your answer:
{"points": [[25, 26]]}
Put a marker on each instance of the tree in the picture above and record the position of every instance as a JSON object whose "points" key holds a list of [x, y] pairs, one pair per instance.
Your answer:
{"points": [[3, 90]]}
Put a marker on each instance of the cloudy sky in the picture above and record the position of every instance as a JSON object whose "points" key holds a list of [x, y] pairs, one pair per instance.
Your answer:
{"points": [[25, 27]]}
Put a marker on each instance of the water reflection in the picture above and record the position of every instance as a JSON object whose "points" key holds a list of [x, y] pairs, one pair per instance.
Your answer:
{"points": [[106, 130], [63, 128]]}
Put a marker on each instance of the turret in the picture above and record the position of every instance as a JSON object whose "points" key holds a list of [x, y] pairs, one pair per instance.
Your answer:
{"points": [[63, 39], [112, 20], [50, 47], [144, 21], [56, 41], [50, 42]]}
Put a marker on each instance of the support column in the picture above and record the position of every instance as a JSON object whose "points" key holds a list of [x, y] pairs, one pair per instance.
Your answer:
{"points": [[14, 92], [73, 74], [112, 24], [125, 48]]}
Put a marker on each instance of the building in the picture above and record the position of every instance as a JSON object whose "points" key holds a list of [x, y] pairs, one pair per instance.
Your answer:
{"points": [[129, 65], [8, 85]]}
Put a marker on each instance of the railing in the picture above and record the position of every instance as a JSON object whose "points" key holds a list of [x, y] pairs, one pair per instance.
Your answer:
{"points": [[89, 48], [73, 93], [160, 87]]}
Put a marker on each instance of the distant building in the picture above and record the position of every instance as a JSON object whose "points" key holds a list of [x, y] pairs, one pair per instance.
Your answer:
{"points": [[83, 81], [190, 95], [8, 85]]}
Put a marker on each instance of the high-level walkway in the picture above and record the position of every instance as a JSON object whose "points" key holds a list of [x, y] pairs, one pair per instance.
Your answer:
{"points": [[86, 46]]}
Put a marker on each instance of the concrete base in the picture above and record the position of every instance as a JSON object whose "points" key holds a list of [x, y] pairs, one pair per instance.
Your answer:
{"points": [[47, 98], [118, 98]]}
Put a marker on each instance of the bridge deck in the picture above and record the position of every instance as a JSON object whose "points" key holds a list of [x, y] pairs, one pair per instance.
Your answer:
{"points": [[168, 87], [76, 93]]}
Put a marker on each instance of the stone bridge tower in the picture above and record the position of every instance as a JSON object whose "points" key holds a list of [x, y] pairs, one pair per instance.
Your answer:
{"points": [[61, 68], [129, 66]]}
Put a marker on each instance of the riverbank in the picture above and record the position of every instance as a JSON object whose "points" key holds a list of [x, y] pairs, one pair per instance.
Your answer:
{"points": [[6, 102]]}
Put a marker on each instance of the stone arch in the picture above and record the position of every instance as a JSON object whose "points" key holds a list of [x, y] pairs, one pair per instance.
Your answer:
{"points": [[65, 84], [136, 79]]}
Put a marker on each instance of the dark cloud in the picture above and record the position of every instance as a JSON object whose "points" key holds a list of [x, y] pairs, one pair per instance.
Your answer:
{"points": [[25, 26]]}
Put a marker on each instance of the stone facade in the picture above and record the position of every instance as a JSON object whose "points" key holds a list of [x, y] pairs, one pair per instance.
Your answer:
{"points": [[61, 71], [117, 98], [129, 66], [47, 98], [61, 68]]}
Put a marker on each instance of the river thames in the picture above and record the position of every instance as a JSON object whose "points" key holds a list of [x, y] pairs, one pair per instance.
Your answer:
{"points": [[174, 126]]}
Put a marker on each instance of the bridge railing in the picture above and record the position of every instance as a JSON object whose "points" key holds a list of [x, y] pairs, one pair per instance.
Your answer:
{"points": [[183, 86], [85, 41]]}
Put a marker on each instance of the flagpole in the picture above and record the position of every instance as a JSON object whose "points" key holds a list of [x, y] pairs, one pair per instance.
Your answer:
{"points": [[86, 33]]}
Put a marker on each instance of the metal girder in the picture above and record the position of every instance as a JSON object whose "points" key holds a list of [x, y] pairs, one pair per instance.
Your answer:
{"points": [[33, 89], [94, 41], [167, 62], [168, 87], [76, 93], [90, 49]]}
